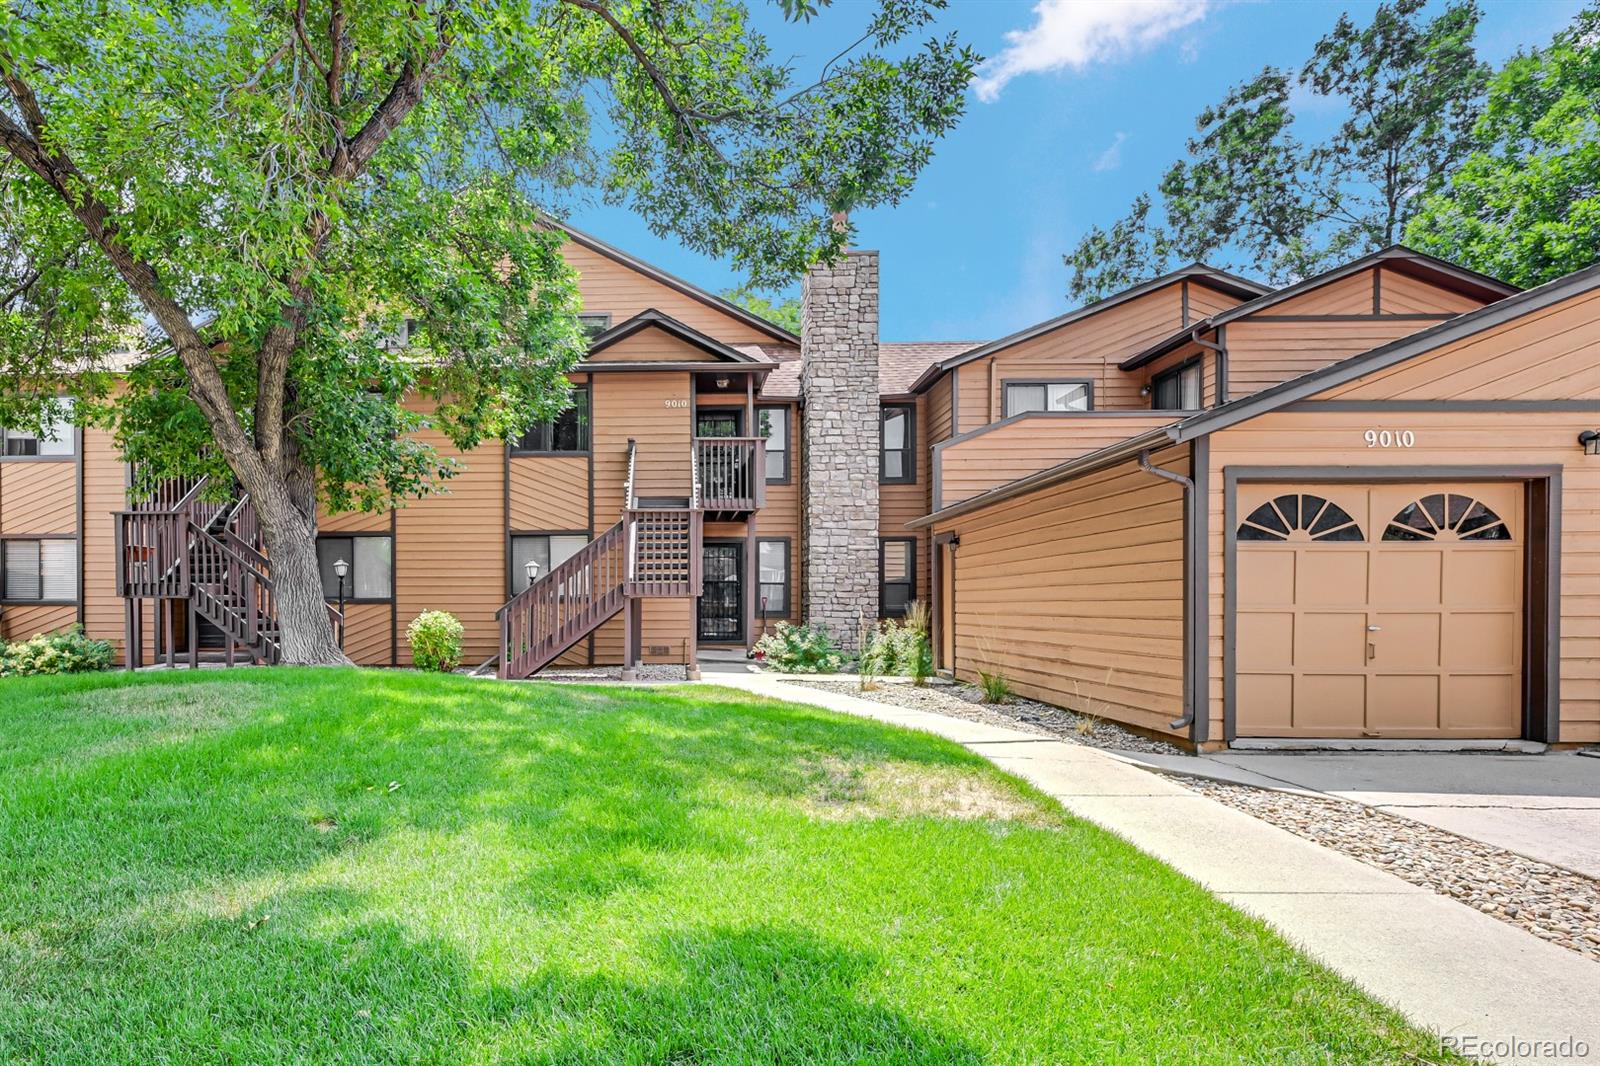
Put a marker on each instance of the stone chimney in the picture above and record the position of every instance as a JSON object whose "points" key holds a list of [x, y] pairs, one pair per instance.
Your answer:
{"points": [[839, 501]]}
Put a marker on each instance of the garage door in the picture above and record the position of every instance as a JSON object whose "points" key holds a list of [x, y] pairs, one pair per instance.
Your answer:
{"points": [[1384, 610]]}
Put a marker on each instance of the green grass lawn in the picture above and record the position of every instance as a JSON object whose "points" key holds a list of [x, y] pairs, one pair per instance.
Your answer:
{"points": [[361, 866]]}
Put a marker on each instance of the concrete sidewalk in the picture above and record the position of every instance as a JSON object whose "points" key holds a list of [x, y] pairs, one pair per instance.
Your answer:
{"points": [[1442, 964]]}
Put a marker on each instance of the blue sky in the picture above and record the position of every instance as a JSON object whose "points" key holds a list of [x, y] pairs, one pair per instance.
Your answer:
{"points": [[975, 251]]}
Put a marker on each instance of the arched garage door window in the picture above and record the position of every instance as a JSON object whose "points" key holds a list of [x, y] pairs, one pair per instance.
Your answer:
{"points": [[1299, 516], [1446, 516]]}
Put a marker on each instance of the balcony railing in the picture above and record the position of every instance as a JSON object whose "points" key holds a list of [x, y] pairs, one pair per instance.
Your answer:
{"points": [[732, 473]]}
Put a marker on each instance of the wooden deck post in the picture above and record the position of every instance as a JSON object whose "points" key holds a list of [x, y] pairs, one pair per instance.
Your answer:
{"points": [[130, 629], [752, 580], [194, 637], [630, 638]]}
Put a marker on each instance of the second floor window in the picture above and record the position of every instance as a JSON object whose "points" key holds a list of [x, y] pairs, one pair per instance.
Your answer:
{"points": [[370, 562], [61, 441], [593, 323], [1177, 389], [1024, 396], [39, 571], [774, 425], [568, 433], [897, 462]]}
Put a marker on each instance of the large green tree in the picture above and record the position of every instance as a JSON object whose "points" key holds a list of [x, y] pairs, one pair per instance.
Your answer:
{"points": [[258, 191], [1252, 194], [1525, 206]]}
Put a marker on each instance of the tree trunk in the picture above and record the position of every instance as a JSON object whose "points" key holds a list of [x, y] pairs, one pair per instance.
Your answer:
{"points": [[304, 630]]}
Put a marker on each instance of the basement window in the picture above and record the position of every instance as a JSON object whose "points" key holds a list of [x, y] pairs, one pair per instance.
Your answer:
{"points": [[39, 570]]}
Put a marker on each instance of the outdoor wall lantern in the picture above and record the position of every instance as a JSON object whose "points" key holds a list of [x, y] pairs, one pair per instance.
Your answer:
{"points": [[723, 382], [1589, 441], [532, 569], [341, 570]]}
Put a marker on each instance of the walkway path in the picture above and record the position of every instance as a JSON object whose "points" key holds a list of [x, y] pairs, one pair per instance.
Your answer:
{"points": [[1445, 966]]}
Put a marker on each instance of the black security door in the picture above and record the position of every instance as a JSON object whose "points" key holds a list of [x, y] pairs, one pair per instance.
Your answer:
{"points": [[721, 601], [718, 422]]}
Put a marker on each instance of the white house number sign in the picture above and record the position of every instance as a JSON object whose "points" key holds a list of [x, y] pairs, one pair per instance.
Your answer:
{"points": [[676, 403], [1390, 438]]}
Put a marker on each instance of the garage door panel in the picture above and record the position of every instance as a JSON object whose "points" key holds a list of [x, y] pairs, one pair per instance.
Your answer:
{"points": [[1407, 577], [1331, 576], [1403, 702], [1405, 641], [1266, 639], [1479, 639], [1266, 701], [1266, 577], [1482, 705], [1408, 626], [1328, 639], [1323, 702]]}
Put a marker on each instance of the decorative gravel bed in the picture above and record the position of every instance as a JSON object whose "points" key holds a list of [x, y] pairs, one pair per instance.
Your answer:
{"points": [[1551, 903], [597, 675], [963, 701]]}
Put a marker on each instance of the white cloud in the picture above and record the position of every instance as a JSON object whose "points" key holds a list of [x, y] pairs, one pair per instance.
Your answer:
{"points": [[1111, 158], [1072, 34]]}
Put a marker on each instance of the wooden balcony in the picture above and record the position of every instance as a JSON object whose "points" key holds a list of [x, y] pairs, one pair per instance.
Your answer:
{"points": [[732, 476]]}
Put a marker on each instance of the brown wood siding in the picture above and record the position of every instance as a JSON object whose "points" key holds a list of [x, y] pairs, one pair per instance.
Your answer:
{"points": [[450, 548], [1015, 449], [1262, 353], [354, 522], [1350, 295], [1443, 439], [940, 424], [653, 345], [899, 504], [635, 404], [1546, 355], [1402, 294], [1205, 301], [1075, 594], [104, 492], [609, 286], [38, 496], [550, 492], [1089, 348], [367, 634], [20, 621]]}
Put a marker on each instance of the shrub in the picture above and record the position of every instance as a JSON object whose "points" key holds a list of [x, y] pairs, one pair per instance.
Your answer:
{"points": [[919, 622], [995, 687], [897, 648], [869, 653], [435, 638], [66, 652], [807, 649]]}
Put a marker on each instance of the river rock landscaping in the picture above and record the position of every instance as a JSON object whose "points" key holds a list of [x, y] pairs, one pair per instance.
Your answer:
{"points": [[1551, 903], [1029, 716]]}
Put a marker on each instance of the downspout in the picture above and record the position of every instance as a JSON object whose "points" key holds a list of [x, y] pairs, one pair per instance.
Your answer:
{"points": [[1186, 721]]}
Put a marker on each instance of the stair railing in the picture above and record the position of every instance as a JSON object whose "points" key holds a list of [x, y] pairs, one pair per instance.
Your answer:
{"points": [[563, 605]]}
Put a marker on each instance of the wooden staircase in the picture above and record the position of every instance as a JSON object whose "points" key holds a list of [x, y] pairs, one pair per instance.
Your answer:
{"points": [[653, 552], [181, 547]]}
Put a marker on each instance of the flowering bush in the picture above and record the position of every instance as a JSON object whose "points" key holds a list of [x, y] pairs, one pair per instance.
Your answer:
{"points": [[66, 652], [796, 649], [435, 638]]}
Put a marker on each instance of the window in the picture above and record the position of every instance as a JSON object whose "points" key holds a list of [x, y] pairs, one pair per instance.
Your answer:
{"points": [[546, 549], [1177, 389], [371, 573], [1311, 517], [896, 462], [593, 323], [1446, 515], [774, 425], [897, 575], [1024, 396], [61, 441], [773, 563], [39, 571], [568, 433]]}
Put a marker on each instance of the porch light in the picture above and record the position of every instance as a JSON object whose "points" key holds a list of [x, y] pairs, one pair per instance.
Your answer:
{"points": [[723, 382], [532, 570], [341, 569], [1589, 441]]}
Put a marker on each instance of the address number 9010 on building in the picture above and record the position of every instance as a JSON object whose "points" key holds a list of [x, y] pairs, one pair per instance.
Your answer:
{"points": [[1390, 438]]}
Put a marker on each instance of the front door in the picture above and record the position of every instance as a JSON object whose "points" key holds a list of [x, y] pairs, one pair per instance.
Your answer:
{"points": [[722, 599]]}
